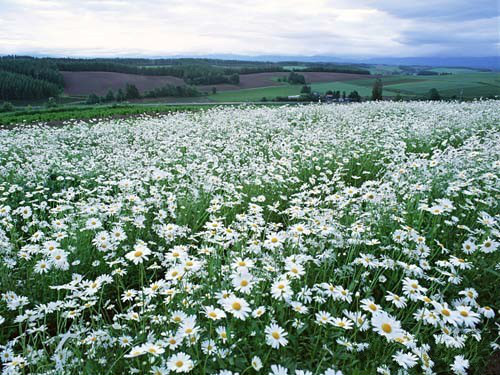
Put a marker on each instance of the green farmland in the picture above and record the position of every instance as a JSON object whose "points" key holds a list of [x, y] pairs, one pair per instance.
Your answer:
{"points": [[475, 84], [468, 85]]}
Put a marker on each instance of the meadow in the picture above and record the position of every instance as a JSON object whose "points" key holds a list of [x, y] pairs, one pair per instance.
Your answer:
{"points": [[462, 83], [291, 240], [70, 114]]}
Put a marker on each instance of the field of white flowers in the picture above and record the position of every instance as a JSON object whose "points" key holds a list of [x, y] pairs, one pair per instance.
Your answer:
{"points": [[308, 240]]}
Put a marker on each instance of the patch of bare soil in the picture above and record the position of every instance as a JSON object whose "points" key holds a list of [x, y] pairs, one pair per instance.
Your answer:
{"points": [[85, 83]]}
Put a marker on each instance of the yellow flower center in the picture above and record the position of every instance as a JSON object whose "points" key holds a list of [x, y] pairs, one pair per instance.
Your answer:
{"points": [[386, 327], [236, 306]]}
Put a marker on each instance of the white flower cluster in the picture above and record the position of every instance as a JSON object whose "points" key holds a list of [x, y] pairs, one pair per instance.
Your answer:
{"points": [[290, 240]]}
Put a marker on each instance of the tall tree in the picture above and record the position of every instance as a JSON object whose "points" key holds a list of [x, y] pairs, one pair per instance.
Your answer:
{"points": [[295, 79], [92, 99], [131, 92], [305, 89], [377, 89], [354, 96], [110, 97], [434, 94], [120, 96]]}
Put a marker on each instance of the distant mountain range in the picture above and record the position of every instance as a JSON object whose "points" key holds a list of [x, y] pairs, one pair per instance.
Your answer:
{"points": [[487, 62]]}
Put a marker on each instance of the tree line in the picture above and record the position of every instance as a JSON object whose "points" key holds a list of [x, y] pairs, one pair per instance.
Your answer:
{"points": [[132, 92], [191, 74]]}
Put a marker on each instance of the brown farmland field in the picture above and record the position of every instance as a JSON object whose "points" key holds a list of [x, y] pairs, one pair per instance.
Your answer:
{"points": [[84, 83]]}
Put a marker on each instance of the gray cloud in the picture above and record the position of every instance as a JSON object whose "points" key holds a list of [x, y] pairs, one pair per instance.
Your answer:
{"points": [[309, 27]]}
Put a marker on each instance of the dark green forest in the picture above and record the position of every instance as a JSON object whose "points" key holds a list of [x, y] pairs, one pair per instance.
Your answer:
{"points": [[28, 78]]}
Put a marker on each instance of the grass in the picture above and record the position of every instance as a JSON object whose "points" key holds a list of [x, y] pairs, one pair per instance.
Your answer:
{"points": [[476, 84], [453, 70], [85, 112], [59, 115], [387, 81], [248, 95], [63, 100]]}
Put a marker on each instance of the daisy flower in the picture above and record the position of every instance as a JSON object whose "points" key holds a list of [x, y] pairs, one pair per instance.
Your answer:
{"points": [[281, 289], [460, 365], [342, 323], [153, 349], [243, 282], [398, 301], [238, 307], [214, 313], [256, 363], [386, 325], [369, 305], [180, 362], [275, 336], [278, 370], [323, 317], [139, 254], [405, 360]]}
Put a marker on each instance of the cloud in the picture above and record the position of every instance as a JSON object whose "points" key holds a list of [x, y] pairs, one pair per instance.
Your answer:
{"points": [[445, 10], [308, 27]]}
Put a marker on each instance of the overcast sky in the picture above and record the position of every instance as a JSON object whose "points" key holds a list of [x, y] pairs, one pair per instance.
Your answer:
{"points": [[287, 27]]}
